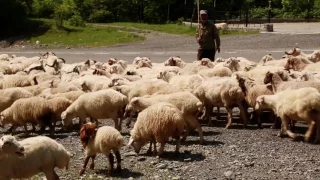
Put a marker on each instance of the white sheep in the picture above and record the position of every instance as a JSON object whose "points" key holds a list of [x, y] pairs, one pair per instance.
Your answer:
{"points": [[34, 110], [155, 124], [9, 81], [187, 103], [101, 104], [294, 104], [184, 81], [10, 146], [313, 57], [10, 95], [101, 140], [221, 92], [41, 155]]}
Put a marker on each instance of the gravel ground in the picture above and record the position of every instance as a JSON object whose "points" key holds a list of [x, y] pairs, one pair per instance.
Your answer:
{"points": [[234, 153]]}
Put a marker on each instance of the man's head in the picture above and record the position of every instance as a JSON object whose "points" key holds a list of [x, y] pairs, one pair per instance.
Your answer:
{"points": [[204, 16]]}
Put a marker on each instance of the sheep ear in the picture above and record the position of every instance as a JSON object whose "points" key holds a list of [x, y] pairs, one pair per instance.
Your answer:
{"points": [[130, 142], [238, 60]]}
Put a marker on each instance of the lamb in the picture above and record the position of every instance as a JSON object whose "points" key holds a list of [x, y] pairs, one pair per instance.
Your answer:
{"points": [[10, 146], [157, 123], [117, 69], [41, 154], [187, 103], [4, 57], [294, 104], [94, 105], [222, 92], [279, 85], [268, 60], [34, 110], [221, 72], [10, 95], [9, 81], [175, 61], [251, 91], [101, 140]]}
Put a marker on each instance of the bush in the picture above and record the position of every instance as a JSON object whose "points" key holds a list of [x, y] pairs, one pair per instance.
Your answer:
{"points": [[100, 16], [180, 21], [76, 20]]}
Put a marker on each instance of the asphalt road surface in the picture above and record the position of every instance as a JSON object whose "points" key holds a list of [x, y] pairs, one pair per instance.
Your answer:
{"points": [[160, 46]]}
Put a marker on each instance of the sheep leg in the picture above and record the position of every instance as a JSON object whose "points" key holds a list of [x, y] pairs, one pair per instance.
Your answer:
{"points": [[118, 156], [150, 148], [111, 162], [116, 123], [51, 174], [26, 130], [218, 112], [229, 110], [308, 134], [243, 113], [129, 121], [120, 123], [284, 128], [317, 140], [86, 160], [177, 145], [209, 114], [92, 162], [155, 152], [185, 134], [161, 149]]}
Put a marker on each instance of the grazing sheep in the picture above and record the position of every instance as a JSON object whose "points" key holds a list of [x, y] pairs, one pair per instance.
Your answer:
{"points": [[157, 123], [101, 140], [221, 26], [187, 103], [41, 155], [34, 110], [294, 104], [94, 105], [58, 105]]}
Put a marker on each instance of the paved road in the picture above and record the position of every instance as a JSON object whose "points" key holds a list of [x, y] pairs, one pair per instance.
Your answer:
{"points": [[160, 46]]}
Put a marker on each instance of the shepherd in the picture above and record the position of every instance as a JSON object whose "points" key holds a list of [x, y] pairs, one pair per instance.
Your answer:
{"points": [[208, 38]]}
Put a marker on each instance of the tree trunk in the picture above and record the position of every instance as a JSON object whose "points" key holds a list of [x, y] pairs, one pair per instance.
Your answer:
{"points": [[168, 15]]}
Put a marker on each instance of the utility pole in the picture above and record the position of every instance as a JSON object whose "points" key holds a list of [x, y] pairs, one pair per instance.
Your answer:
{"points": [[269, 12]]}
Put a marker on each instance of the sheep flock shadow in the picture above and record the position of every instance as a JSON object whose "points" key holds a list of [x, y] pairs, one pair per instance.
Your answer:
{"points": [[125, 173]]}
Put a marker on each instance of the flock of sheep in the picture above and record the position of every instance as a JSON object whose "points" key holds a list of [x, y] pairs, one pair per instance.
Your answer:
{"points": [[168, 99]]}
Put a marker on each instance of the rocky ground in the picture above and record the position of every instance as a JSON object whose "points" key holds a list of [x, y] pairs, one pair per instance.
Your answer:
{"points": [[235, 153]]}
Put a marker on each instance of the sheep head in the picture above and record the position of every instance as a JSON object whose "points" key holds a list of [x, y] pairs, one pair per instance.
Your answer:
{"points": [[66, 118], [232, 63], [268, 77], [10, 146], [170, 62], [133, 106], [260, 102], [136, 145], [293, 52], [87, 132], [112, 61]]}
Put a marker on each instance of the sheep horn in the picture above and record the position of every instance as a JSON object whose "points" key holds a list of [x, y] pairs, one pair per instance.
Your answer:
{"points": [[64, 61]]}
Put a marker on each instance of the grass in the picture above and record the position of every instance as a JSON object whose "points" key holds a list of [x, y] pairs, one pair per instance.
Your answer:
{"points": [[176, 28], [88, 36]]}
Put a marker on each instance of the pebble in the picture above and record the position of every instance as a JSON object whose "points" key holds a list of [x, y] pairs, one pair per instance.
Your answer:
{"points": [[130, 178], [187, 160], [162, 166], [229, 175], [130, 154], [176, 177], [272, 170], [156, 177], [153, 162]]}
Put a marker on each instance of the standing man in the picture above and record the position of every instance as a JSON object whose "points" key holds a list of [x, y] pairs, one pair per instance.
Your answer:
{"points": [[208, 38]]}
